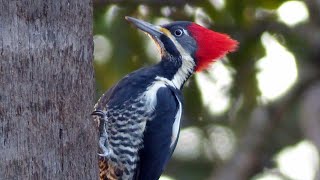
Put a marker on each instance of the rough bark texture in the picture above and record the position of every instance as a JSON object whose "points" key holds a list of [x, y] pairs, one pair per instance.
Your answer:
{"points": [[46, 90]]}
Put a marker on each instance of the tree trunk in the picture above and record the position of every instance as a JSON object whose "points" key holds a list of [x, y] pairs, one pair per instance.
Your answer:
{"points": [[46, 90]]}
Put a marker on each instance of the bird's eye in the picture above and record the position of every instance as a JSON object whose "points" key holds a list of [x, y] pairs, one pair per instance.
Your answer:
{"points": [[178, 32]]}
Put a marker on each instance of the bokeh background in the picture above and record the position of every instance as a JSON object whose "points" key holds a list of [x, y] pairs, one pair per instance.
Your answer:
{"points": [[253, 115]]}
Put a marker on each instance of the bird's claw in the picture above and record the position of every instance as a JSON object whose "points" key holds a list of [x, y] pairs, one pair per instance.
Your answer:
{"points": [[103, 144], [99, 113], [103, 137]]}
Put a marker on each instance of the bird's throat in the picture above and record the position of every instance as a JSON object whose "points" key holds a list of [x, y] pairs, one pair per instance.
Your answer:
{"points": [[178, 69]]}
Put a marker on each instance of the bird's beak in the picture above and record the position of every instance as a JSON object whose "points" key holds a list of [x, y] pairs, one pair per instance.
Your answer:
{"points": [[153, 30]]}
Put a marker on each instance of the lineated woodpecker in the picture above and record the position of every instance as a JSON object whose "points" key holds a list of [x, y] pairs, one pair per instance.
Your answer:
{"points": [[139, 117]]}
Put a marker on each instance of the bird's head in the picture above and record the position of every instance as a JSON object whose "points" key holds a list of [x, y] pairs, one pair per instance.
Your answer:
{"points": [[183, 38]]}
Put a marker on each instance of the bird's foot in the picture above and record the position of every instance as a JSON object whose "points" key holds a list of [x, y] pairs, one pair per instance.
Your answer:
{"points": [[99, 116], [99, 113], [103, 135], [104, 146]]}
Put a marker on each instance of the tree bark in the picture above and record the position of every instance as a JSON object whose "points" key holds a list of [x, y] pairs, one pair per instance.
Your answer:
{"points": [[46, 90]]}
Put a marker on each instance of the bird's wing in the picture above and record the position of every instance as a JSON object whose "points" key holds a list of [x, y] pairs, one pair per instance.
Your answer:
{"points": [[119, 94], [106, 170], [104, 99], [161, 135]]}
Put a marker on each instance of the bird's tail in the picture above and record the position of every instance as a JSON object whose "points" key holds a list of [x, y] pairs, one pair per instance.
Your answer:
{"points": [[107, 171]]}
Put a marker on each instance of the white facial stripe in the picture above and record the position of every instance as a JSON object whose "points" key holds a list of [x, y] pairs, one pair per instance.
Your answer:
{"points": [[187, 64]]}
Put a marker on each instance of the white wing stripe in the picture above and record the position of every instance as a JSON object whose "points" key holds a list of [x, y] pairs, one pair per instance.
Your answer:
{"points": [[176, 124]]}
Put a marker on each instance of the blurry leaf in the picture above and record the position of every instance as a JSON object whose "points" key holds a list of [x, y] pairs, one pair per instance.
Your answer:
{"points": [[269, 4]]}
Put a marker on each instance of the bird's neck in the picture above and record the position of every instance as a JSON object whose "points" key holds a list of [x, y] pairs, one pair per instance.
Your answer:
{"points": [[177, 69]]}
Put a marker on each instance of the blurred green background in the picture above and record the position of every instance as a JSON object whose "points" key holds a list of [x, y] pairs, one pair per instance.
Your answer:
{"points": [[253, 115]]}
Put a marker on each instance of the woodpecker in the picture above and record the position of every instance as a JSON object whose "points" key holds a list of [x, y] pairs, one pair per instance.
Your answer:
{"points": [[139, 117]]}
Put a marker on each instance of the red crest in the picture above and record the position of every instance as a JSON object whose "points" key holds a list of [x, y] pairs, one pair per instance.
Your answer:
{"points": [[211, 45]]}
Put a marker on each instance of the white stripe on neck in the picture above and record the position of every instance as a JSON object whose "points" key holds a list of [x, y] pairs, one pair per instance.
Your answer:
{"points": [[186, 68]]}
